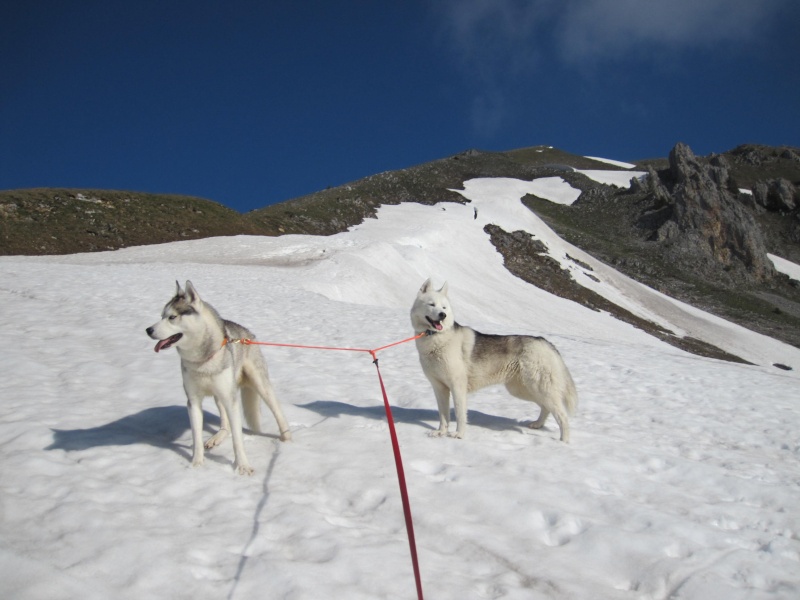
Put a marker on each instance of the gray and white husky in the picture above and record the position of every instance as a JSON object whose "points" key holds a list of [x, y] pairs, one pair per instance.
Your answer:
{"points": [[213, 367], [458, 360]]}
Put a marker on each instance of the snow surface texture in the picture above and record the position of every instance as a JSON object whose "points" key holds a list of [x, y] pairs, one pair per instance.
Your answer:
{"points": [[681, 480]]}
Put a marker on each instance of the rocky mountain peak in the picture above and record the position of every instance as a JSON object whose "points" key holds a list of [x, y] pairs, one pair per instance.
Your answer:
{"points": [[706, 226]]}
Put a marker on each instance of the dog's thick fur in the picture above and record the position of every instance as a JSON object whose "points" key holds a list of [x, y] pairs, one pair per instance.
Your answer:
{"points": [[213, 367], [458, 360]]}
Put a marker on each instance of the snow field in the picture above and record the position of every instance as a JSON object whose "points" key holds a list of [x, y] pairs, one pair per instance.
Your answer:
{"points": [[680, 481]]}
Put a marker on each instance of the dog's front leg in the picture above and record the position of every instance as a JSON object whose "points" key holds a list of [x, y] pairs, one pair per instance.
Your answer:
{"points": [[460, 403], [231, 405], [195, 406], [442, 393], [224, 427]]}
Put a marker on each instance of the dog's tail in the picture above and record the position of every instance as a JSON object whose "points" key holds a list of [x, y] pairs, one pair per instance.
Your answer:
{"points": [[570, 397], [251, 407]]}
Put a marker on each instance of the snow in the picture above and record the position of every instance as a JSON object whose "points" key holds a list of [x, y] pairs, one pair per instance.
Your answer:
{"points": [[556, 189], [611, 161], [681, 479], [621, 179], [785, 266]]}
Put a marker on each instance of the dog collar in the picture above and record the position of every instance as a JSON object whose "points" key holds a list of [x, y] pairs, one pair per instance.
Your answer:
{"points": [[225, 342]]}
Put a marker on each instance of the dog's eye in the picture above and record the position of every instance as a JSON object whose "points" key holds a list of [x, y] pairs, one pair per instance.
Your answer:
{"points": [[173, 317]]}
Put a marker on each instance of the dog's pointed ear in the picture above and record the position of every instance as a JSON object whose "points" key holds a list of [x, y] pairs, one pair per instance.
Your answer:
{"points": [[425, 286], [178, 289], [191, 294], [443, 289]]}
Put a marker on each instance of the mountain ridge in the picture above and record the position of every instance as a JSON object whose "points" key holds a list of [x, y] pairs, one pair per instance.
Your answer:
{"points": [[616, 225]]}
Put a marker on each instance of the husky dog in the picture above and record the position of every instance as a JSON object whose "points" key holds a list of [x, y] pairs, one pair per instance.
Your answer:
{"points": [[458, 360], [213, 367]]}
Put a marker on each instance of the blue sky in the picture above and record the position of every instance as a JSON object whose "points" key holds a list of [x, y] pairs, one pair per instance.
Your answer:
{"points": [[251, 103]]}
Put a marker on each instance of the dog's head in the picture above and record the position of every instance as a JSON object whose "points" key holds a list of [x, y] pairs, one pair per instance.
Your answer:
{"points": [[431, 310], [172, 327]]}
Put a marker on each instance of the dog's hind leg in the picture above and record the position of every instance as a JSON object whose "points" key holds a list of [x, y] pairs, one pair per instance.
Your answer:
{"points": [[224, 428], [529, 386], [539, 423], [265, 391], [563, 424], [561, 417], [259, 379]]}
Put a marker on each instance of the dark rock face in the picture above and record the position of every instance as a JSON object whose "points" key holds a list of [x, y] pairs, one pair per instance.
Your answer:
{"points": [[703, 224], [776, 194]]}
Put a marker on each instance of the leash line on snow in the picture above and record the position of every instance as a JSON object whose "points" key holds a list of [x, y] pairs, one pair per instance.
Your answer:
{"points": [[398, 460]]}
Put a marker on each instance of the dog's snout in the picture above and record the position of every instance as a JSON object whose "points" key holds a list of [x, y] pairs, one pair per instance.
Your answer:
{"points": [[149, 331], [442, 316]]}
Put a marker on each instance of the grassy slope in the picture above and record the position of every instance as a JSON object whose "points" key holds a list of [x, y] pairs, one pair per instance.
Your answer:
{"points": [[62, 221]]}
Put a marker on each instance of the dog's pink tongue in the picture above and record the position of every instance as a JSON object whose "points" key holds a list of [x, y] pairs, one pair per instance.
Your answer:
{"points": [[438, 326], [168, 342]]}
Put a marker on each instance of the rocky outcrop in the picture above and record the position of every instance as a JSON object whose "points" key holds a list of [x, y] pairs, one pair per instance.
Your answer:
{"points": [[702, 223], [776, 194], [651, 185], [756, 155]]}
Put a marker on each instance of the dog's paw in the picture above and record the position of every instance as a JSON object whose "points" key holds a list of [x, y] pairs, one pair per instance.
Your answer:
{"points": [[244, 469], [536, 425], [438, 433], [286, 436], [197, 462], [459, 435], [216, 439]]}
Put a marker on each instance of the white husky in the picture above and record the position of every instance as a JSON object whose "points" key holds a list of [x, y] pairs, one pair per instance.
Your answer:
{"points": [[213, 367], [458, 360]]}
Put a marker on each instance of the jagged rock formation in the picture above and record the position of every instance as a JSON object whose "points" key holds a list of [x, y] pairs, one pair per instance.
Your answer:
{"points": [[699, 220], [773, 175], [776, 194]]}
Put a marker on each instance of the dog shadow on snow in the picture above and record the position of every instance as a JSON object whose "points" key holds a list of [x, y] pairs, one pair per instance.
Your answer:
{"points": [[428, 419], [161, 427]]}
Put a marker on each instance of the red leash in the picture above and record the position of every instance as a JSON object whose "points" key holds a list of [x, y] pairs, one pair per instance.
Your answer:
{"points": [[398, 460], [401, 479]]}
